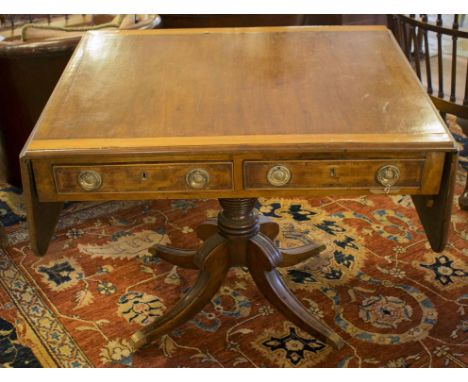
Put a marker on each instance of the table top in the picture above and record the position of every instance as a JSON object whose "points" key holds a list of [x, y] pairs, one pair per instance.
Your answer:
{"points": [[239, 88]]}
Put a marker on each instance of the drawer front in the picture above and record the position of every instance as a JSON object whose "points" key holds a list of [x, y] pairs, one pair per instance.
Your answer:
{"points": [[143, 177], [313, 174]]}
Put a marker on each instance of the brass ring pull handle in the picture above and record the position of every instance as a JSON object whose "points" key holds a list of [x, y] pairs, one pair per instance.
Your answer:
{"points": [[197, 178], [279, 176], [89, 180], [388, 176]]}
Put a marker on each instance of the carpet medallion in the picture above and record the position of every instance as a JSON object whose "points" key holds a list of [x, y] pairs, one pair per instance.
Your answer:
{"points": [[394, 301]]}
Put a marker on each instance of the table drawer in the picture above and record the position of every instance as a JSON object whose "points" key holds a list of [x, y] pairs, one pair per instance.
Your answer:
{"points": [[312, 174], [143, 177]]}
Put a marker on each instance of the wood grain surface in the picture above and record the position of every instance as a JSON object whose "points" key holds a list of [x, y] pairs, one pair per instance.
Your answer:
{"points": [[240, 86]]}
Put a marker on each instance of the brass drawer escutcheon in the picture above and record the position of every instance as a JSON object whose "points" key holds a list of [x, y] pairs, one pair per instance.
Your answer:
{"points": [[89, 180], [388, 175], [279, 176], [197, 178]]}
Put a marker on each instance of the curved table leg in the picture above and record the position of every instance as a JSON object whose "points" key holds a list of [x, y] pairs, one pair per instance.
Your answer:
{"points": [[181, 257], [293, 256], [268, 228], [463, 199], [207, 229], [262, 259], [213, 261]]}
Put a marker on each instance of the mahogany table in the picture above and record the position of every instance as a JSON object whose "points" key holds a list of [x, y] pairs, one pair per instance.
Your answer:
{"points": [[236, 114]]}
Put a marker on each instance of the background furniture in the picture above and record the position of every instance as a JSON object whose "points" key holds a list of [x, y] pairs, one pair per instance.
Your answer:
{"points": [[34, 50], [438, 52], [209, 21]]}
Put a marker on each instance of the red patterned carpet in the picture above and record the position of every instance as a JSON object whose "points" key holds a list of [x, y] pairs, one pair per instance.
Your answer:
{"points": [[378, 284]]}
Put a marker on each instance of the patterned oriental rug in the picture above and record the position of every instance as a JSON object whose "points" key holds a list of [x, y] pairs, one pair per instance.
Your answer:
{"points": [[394, 301]]}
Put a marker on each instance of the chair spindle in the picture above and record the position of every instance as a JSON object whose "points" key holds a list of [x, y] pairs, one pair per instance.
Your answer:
{"points": [[439, 58], [454, 61], [427, 57]]}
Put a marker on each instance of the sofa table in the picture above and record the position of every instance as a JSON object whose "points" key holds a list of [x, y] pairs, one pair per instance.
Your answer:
{"points": [[237, 114]]}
